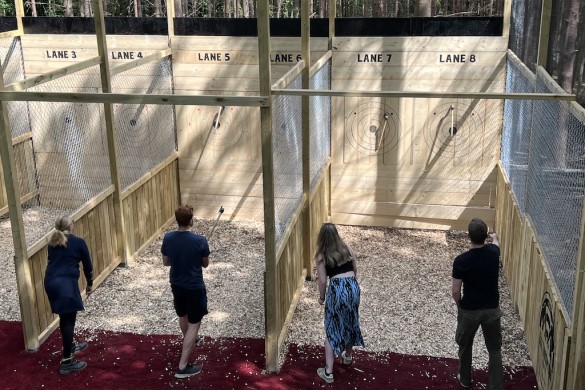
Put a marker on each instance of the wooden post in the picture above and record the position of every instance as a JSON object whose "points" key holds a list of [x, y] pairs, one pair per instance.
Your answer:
{"points": [[100, 29], [19, 12], [306, 137], [507, 18], [271, 288], [24, 283], [544, 32], [171, 22], [171, 38], [332, 15], [576, 374]]}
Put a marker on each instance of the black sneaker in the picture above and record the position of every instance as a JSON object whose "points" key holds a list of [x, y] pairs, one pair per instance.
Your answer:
{"points": [[69, 366], [78, 347], [189, 370]]}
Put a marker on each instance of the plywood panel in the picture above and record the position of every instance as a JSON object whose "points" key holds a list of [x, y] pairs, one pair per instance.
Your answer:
{"points": [[415, 159]]}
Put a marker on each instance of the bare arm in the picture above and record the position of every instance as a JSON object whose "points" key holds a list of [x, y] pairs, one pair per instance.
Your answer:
{"points": [[205, 262], [353, 260], [321, 280], [456, 290], [166, 261]]}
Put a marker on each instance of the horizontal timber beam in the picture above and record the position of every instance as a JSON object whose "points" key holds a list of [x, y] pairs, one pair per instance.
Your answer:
{"points": [[141, 61], [423, 94], [53, 75], [134, 98]]}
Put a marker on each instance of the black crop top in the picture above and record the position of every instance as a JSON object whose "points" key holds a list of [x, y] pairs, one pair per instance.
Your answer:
{"points": [[345, 267]]}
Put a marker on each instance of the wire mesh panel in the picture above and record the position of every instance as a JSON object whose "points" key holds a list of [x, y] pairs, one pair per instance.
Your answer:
{"points": [[13, 71], [287, 155], [320, 122], [145, 133], [70, 150], [517, 127], [556, 183]]}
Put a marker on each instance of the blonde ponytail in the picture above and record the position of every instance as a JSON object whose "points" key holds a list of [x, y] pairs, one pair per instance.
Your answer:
{"points": [[63, 227]]}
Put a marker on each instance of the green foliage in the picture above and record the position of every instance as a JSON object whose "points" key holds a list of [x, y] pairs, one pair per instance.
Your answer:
{"points": [[6, 8]]}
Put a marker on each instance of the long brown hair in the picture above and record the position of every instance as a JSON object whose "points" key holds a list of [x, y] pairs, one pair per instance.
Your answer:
{"points": [[63, 230], [331, 247]]}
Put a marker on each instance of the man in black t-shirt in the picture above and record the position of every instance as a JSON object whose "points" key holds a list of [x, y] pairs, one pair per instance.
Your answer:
{"points": [[477, 272]]}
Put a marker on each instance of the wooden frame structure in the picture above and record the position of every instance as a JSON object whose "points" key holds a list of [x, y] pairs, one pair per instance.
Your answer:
{"points": [[288, 264]]}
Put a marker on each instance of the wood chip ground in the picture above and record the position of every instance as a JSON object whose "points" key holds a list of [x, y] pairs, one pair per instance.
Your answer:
{"points": [[405, 279]]}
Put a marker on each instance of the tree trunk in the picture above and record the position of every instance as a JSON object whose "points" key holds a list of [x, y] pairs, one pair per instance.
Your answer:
{"points": [[568, 44], [422, 8], [68, 7], [33, 7], [378, 8], [553, 43], [178, 8], [157, 9]]}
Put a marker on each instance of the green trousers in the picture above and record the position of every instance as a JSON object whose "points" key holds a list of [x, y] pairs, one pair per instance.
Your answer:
{"points": [[468, 322]]}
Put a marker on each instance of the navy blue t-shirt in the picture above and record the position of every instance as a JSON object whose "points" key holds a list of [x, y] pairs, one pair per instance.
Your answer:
{"points": [[185, 251], [479, 269]]}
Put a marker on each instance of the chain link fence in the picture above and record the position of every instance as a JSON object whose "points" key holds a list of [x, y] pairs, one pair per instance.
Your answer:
{"points": [[70, 152], [287, 156], [13, 68], [145, 133], [517, 127], [320, 122], [543, 155]]}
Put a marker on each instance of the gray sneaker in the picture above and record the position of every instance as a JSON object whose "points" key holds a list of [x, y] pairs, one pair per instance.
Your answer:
{"points": [[69, 366], [78, 347], [189, 370], [322, 372]]}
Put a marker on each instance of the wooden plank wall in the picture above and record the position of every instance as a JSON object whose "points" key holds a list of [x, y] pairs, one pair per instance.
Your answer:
{"points": [[533, 291], [150, 207], [395, 162], [220, 161], [25, 166], [96, 228], [290, 265]]}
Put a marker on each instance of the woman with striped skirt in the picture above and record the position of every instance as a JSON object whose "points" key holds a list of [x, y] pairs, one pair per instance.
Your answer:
{"points": [[335, 261]]}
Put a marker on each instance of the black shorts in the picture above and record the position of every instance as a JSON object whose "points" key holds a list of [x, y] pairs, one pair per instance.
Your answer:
{"points": [[192, 303]]}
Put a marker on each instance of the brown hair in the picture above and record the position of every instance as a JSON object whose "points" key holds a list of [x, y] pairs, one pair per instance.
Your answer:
{"points": [[183, 215], [333, 250], [477, 231], [63, 230]]}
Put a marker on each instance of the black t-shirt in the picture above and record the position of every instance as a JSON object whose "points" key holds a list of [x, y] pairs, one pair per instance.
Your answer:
{"points": [[479, 270]]}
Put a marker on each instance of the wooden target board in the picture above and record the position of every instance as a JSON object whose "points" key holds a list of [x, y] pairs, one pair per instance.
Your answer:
{"points": [[219, 146], [418, 163]]}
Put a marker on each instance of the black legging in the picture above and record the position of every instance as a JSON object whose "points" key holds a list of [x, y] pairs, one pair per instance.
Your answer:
{"points": [[67, 326]]}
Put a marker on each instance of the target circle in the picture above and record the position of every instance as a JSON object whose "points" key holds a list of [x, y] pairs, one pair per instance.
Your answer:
{"points": [[222, 127], [453, 129], [139, 124], [373, 129]]}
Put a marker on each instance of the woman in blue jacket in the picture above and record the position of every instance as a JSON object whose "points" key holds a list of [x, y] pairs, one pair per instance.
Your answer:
{"points": [[65, 252]]}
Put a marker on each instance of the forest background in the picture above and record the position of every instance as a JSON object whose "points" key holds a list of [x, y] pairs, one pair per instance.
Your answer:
{"points": [[561, 22]]}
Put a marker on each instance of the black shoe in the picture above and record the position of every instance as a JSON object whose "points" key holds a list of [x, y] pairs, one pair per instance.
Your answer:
{"points": [[78, 347], [69, 366], [189, 370]]}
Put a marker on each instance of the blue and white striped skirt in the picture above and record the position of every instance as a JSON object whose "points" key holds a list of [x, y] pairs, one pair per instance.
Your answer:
{"points": [[342, 320]]}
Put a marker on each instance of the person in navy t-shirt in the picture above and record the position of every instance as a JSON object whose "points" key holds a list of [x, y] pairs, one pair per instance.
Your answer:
{"points": [[187, 254], [65, 252]]}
